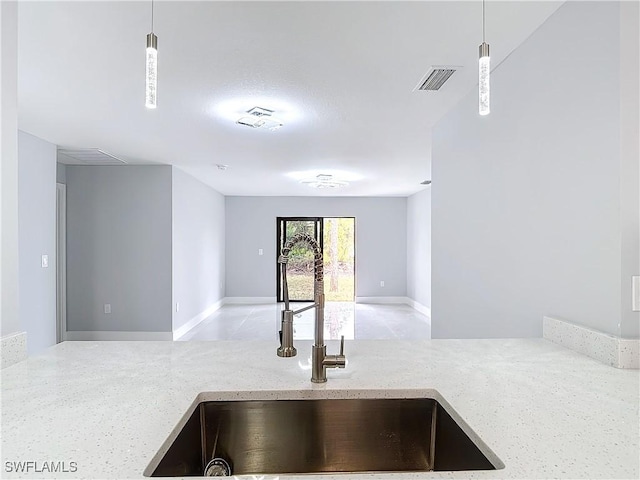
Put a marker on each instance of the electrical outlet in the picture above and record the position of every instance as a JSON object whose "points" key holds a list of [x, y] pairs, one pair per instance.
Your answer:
{"points": [[260, 251], [177, 306], [107, 308], [45, 261], [635, 294], [382, 283]]}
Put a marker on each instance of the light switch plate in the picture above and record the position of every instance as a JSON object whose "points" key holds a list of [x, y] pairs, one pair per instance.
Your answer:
{"points": [[382, 283], [260, 252], [45, 261], [635, 294], [107, 308], [177, 306]]}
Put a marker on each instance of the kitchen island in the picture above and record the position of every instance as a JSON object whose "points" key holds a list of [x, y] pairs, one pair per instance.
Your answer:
{"points": [[103, 409]]}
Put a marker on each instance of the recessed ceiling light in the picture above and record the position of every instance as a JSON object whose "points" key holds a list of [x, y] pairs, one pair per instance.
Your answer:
{"points": [[324, 181]]}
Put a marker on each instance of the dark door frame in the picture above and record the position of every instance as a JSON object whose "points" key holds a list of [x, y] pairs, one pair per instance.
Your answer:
{"points": [[280, 223]]}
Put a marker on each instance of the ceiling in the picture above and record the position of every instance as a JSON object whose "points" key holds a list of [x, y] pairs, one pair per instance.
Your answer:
{"points": [[340, 75]]}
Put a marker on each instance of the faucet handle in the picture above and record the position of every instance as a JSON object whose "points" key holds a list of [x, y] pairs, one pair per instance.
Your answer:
{"points": [[331, 361], [340, 359]]}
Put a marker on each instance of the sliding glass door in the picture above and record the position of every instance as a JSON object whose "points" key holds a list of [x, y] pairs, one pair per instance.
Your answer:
{"points": [[339, 258], [336, 237]]}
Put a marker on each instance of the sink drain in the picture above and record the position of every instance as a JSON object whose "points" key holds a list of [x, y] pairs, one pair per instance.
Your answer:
{"points": [[217, 467]]}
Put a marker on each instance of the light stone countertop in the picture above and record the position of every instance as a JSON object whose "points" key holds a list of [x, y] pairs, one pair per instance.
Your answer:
{"points": [[545, 411]]}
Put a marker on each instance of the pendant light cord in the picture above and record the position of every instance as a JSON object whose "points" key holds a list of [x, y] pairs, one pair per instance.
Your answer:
{"points": [[483, 40], [152, 14]]}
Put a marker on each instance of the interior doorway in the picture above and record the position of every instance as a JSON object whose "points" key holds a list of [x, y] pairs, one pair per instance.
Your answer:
{"points": [[61, 262], [336, 237]]}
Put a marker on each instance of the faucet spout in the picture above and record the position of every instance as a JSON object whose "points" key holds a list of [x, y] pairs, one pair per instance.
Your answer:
{"points": [[319, 358]]}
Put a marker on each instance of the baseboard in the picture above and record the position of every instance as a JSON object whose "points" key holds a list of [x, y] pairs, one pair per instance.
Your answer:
{"points": [[13, 348], [609, 349], [384, 300], [197, 319], [248, 300], [396, 300], [420, 308], [118, 336]]}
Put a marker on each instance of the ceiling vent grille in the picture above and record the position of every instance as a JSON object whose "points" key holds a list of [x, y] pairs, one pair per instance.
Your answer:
{"points": [[435, 78], [88, 156]]}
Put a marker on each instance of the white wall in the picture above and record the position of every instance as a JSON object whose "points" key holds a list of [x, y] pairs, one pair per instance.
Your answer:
{"points": [[10, 320], [198, 248], [119, 248], [37, 237], [381, 232], [419, 247], [526, 202]]}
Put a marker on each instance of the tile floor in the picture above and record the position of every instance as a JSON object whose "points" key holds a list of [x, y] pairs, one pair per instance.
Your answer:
{"points": [[353, 320]]}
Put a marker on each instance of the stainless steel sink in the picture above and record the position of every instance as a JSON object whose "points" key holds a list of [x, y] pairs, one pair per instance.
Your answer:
{"points": [[321, 436]]}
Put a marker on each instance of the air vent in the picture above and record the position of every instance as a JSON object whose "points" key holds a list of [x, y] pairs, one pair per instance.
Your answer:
{"points": [[435, 78], [88, 156]]}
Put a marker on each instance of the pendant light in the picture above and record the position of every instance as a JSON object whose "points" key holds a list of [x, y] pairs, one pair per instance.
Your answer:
{"points": [[151, 89], [484, 68]]}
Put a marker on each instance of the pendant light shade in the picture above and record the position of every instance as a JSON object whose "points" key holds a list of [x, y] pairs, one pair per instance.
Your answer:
{"points": [[484, 68], [151, 71], [484, 71], [151, 89]]}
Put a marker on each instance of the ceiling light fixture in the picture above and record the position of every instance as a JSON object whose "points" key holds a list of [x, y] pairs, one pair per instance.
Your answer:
{"points": [[484, 68], [151, 89], [343, 175], [260, 118], [324, 181], [222, 166]]}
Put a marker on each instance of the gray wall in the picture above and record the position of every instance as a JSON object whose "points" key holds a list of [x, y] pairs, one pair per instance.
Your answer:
{"points": [[10, 319], [381, 232], [526, 202], [119, 248], [198, 247], [37, 237], [419, 247], [629, 159], [61, 173]]}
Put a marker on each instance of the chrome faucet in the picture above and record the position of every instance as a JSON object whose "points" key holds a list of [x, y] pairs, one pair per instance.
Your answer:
{"points": [[320, 361]]}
